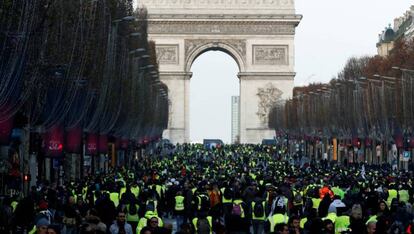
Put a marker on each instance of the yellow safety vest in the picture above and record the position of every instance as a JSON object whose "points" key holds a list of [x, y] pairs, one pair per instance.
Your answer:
{"points": [[316, 202], [14, 205], [295, 203], [179, 203], [155, 205], [392, 193], [115, 198], [330, 216], [122, 191], [33, 231], [404, 195], [132, 217], [371, 219], [84, 192], [239, 202], [263, 217], [143, 221], [210, 221], [276, 219], [302, 222], [341, 223], [135, 191], [223, 199], [158, 188]]}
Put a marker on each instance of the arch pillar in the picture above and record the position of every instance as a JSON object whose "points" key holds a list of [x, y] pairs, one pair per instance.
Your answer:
{"points": [[178, 84], [259, 92]]}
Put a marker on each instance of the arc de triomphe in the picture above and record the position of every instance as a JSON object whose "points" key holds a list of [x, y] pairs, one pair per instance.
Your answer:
{"points": [[258, 34]]}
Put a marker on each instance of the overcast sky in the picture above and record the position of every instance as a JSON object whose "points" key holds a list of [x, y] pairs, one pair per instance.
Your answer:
{"points": [[331, 31]]}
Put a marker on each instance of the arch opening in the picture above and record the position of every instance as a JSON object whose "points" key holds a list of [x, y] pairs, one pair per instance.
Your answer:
{"points": [[233, 51], [212, 86]]}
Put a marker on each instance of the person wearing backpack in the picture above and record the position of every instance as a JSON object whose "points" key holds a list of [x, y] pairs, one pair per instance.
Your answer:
{"points": [[202, 202], [258, 216], [297, 202], [151, 205], [203, 224], [236, 221]]}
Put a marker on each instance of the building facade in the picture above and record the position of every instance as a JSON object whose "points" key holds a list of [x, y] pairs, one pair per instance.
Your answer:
{"points": [[403, 28]]}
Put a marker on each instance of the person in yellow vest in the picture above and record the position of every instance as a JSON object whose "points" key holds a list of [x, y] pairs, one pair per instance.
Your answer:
{"points": [[132, 215], [342, 223], [179, 209], [227, 199], [258, 216], [151, 220], [404, 195], [236, 221], [275, 219], [297, 201], [203, 224], [392, 193], [114, 196]]}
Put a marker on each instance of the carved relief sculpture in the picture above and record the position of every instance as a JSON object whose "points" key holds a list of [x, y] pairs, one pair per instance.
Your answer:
{"points": [[268, 98], [167, 54], [270, 55]]}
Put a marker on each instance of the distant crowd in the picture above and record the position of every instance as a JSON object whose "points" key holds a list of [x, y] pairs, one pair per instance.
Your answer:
{"points": [[236, 189]]}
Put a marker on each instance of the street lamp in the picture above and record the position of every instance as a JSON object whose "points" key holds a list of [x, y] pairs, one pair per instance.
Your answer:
{"points": [[126, 19], [402, 69], [139, 50], [135, 34], [386, 78]]}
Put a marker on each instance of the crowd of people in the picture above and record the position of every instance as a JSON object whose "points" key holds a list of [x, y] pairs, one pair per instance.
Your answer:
{"points": [[236, 189]]}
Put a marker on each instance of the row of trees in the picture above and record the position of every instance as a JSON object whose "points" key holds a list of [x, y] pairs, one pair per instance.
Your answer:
{"points": [[371, 98], [80, 65]]}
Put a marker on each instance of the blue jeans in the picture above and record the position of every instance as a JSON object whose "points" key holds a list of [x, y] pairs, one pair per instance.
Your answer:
{"points": [[70, 230], [180, 221], [258, 226]]}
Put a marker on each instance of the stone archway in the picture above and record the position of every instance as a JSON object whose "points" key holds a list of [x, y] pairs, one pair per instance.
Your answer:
{"points": [[235, 48], [258, 34]]}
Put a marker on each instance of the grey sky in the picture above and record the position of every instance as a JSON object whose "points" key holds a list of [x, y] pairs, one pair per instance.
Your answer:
{"points": [[334, 30], [331, 32]]}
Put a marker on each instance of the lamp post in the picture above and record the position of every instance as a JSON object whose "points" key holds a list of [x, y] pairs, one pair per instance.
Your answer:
{"points": [[386, 80]]}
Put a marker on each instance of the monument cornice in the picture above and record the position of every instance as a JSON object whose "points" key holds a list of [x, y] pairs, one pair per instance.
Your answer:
{"points": [[172, 75], [294, 17], [266, 75], [220, 27]]}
